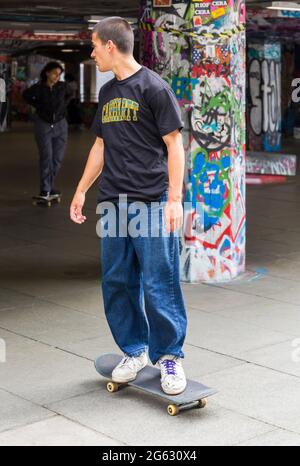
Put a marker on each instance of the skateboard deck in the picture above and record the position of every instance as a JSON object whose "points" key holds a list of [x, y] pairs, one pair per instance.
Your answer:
{"points": [[49, 201], [148, 380]]}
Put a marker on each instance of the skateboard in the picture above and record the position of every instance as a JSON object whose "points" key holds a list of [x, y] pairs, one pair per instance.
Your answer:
{"points": [[46, 201], [148, 380]]}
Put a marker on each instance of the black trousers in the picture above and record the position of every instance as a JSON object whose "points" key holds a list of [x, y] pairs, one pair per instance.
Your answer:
{"points": [[51, 141]]}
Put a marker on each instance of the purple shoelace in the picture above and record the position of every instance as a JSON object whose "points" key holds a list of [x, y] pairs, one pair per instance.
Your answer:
{"points": [[170, 366]]}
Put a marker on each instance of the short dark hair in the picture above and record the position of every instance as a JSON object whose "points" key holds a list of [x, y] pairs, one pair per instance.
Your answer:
{"points": [[118, 30], [52, 65]]}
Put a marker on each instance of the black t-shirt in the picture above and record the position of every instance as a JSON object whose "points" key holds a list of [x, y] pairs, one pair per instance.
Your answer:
{"points": [[132, 117]]}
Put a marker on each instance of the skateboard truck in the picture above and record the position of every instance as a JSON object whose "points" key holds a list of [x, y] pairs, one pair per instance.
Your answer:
{"points": [[46, 200]]}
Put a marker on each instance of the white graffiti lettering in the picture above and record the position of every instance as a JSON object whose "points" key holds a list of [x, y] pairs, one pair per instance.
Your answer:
{"points": [[219, 3], [265, 96], [296, 92], [202, 12], [202, 5]]}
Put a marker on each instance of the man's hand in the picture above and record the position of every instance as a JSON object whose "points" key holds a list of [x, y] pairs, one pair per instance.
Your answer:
{"points": [[173, 215], [76, 208]]}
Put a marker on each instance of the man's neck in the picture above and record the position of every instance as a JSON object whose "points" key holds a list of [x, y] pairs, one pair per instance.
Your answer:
{"points": [[125, 68]]}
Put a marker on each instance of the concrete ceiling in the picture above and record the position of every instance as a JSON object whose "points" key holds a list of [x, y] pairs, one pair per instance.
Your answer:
{"points": [[68, 7], [73, 8], [55, 15], [58, 15]]}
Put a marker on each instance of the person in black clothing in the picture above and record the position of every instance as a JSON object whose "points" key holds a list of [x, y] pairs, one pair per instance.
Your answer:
{"points": [[50, 98], [138, 153]]}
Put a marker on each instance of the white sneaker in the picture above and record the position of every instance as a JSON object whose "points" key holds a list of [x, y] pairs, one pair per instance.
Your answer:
{"points": [[173, 380], [128, 368]]}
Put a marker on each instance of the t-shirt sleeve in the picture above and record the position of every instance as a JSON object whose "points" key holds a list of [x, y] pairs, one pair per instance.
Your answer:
{"points": [[166, 111], [97, 122]]}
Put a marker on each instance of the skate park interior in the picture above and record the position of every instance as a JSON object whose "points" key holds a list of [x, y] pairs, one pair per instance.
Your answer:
{"points": [[243, 335]]}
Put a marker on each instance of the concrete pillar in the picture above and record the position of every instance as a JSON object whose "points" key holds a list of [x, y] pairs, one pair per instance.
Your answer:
{"points": [[264, 97], [5, 78], [199, 48]]}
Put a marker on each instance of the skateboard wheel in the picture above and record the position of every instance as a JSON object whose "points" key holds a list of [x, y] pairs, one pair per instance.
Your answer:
{"points": [[173, 410], [202, 403], [49, 204], [58, 200], [112, 387]]}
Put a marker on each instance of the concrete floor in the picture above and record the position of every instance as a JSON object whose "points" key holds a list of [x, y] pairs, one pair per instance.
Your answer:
{"points": [[243, 337]]}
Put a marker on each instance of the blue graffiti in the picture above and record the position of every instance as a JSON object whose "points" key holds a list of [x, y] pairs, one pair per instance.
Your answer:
{"points": [[209, 187], [183, 87]]}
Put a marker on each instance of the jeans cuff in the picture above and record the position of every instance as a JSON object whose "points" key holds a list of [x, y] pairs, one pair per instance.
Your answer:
{"points": [[136, 354]]}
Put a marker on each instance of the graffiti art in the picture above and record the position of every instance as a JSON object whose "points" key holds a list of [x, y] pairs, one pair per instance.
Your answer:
{"points": [[206, 70], [264, 106]]}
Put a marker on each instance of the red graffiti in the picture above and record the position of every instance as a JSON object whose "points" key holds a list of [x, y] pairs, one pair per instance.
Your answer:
{"points": [[210, 69]]}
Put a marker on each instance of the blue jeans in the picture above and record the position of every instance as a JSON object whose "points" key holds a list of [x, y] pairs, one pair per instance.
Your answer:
{"points": [[142, 297], [51, 141]]}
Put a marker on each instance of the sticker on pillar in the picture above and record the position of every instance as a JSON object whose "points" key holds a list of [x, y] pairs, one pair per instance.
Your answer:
{"points": [[218, 13], [162, 3], [219, 8], [197, 21], [210, 51], [202, 13], [203, 8]]}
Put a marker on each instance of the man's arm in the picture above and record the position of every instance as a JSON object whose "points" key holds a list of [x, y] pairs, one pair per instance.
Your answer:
{"points": [[176, 162], [92, 171]]}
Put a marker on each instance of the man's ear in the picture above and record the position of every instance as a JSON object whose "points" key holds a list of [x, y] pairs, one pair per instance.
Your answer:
{"points": [[110, 45]]}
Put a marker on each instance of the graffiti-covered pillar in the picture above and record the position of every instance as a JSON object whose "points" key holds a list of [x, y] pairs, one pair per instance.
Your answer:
{"points": [[199, 48], [5, 63], [264, 96]]}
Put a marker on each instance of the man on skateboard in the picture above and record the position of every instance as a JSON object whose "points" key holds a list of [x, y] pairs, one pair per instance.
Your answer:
{"points": [[138, 153]]}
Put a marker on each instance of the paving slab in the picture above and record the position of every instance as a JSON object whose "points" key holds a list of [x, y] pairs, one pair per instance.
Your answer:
{"points": [[11, 299], [52, 324], [103, 411], [228, 336], [212, 299], [269, 314], [39, 271], [260, 393], [43, 374], [277, 438], [14, 411], [56, 431], [281, 357]]}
